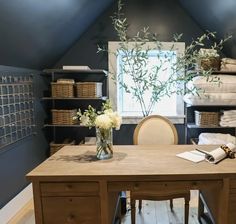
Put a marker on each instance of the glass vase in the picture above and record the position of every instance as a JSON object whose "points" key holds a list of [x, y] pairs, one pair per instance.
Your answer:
{"points": [[104, 143]]}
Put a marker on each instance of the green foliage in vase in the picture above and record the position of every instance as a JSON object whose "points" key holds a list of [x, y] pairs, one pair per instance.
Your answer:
{"points": [[104, 119], [135, 53]]}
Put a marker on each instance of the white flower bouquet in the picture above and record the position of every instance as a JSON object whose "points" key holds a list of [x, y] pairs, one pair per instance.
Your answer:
{"points": [[104, 121]]}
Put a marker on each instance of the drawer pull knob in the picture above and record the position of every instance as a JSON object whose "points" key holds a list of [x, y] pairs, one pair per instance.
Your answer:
{"points": [[71, 217], [136, 186], [69, 186]]}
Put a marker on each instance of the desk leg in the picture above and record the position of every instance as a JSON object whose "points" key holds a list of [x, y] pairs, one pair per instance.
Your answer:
{"points": [[223, 213], [104, 202], [37, 203]]}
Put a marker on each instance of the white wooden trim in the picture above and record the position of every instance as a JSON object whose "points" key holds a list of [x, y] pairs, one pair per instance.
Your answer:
{"points": [[18, 202], [113, 47]]}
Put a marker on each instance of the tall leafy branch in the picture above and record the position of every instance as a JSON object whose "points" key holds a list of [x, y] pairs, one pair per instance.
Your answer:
{"points": [[135, 55]]}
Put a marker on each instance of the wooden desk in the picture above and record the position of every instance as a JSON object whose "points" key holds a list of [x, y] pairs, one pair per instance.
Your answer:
{"points": [[72, 184]]}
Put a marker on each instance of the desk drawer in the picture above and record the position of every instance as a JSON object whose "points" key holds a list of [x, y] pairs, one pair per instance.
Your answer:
{"points": [[69, 188], [73, 210]]}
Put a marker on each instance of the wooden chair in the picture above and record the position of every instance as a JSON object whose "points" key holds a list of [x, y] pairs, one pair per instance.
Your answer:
{"points": [[153, 130]]}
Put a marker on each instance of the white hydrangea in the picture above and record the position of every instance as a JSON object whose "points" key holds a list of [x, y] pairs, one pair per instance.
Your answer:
{"points": [[116, 120], [108, 111], [84, 120], [103, 121], [114, 116]]}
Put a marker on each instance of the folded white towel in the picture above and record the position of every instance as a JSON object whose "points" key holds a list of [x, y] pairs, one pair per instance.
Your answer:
{"points": [[229, 112], [228, 119], [215, 139], [228, 124], [220, 83], [228, 67], [229, 60]]}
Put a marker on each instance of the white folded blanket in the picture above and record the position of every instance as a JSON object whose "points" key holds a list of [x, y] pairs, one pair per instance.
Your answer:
{"points": [[211, 99], [228, 123], [215, 139], [228, 119], [220, 83], [227, 67], [229, 60], [229, 112]]}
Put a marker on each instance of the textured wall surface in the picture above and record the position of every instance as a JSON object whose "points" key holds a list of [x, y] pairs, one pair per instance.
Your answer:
{"points": [[17, 159]]}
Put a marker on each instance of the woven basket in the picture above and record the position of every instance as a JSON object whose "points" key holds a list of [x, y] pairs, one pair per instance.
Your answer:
{"points": [[62, 89], [89, 89], [64, 117], [210, 63], [206, 118], [55, 147]]}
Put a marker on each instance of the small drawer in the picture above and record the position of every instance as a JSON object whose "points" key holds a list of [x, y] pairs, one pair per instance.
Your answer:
{"points": [[71, 210], [233, 184], [69, 188]]}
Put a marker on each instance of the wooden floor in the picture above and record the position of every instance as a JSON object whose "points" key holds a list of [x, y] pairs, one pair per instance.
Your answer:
{"points": [[152, 213]]}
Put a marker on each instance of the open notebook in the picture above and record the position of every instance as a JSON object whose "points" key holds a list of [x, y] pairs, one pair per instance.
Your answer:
{"points": [[213, 156]]}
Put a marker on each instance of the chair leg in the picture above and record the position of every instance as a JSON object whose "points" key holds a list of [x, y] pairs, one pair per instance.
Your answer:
{"points": [[171, 205], [186, 209], [200, 208], [139, 205], [132, 204]]}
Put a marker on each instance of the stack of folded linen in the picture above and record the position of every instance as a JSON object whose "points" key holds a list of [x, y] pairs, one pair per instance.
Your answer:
{"points": [[214, 90], [228, 119], [228, 64], [215, 139]]}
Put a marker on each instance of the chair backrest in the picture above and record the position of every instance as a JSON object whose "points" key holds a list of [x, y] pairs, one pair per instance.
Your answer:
{"points": [[155, 129]]}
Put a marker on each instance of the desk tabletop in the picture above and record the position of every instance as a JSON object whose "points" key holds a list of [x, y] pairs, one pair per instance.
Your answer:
{"points": [[131, 161]]}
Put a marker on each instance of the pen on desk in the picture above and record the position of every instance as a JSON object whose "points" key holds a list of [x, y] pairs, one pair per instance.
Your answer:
{"points": [[199, 150]]}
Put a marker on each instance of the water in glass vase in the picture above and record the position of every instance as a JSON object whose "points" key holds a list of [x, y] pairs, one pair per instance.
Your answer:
{"points": [[104, 143]]}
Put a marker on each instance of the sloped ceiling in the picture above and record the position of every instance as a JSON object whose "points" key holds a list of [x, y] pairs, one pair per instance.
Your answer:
{"points": [[215, 15], [35, 34]]}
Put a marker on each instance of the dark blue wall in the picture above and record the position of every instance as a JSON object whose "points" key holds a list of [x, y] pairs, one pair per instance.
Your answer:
{"points": [[164, 17], [215, 15], [17, 159], [35, 34]]}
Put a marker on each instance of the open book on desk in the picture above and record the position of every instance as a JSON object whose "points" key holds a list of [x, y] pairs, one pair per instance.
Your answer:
{"points": [[213, 156]]}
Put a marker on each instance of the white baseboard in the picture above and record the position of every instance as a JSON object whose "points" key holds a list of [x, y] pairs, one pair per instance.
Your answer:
{"points": [[18, 202]]}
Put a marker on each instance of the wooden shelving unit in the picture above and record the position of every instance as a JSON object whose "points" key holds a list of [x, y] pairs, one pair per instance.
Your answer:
{"points": [[75, 132]]}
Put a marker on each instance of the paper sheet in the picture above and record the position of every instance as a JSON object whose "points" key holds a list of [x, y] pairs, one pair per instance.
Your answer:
{"points": [[193, 156]]}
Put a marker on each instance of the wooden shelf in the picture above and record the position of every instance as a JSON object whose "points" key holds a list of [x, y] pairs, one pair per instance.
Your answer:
{"points": [[64, 125], [85, 71], [226, 104], [213, 72], [74, 98], [193, 125]]}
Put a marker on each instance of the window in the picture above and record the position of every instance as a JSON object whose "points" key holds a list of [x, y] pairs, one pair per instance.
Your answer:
{"points": [[171, 107]]}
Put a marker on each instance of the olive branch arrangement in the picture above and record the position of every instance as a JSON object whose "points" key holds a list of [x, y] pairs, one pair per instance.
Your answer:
{"points": [[135, 53]]}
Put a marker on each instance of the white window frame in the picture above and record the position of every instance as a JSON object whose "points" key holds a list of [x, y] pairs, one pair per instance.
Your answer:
{"points": [[113, 47]]}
